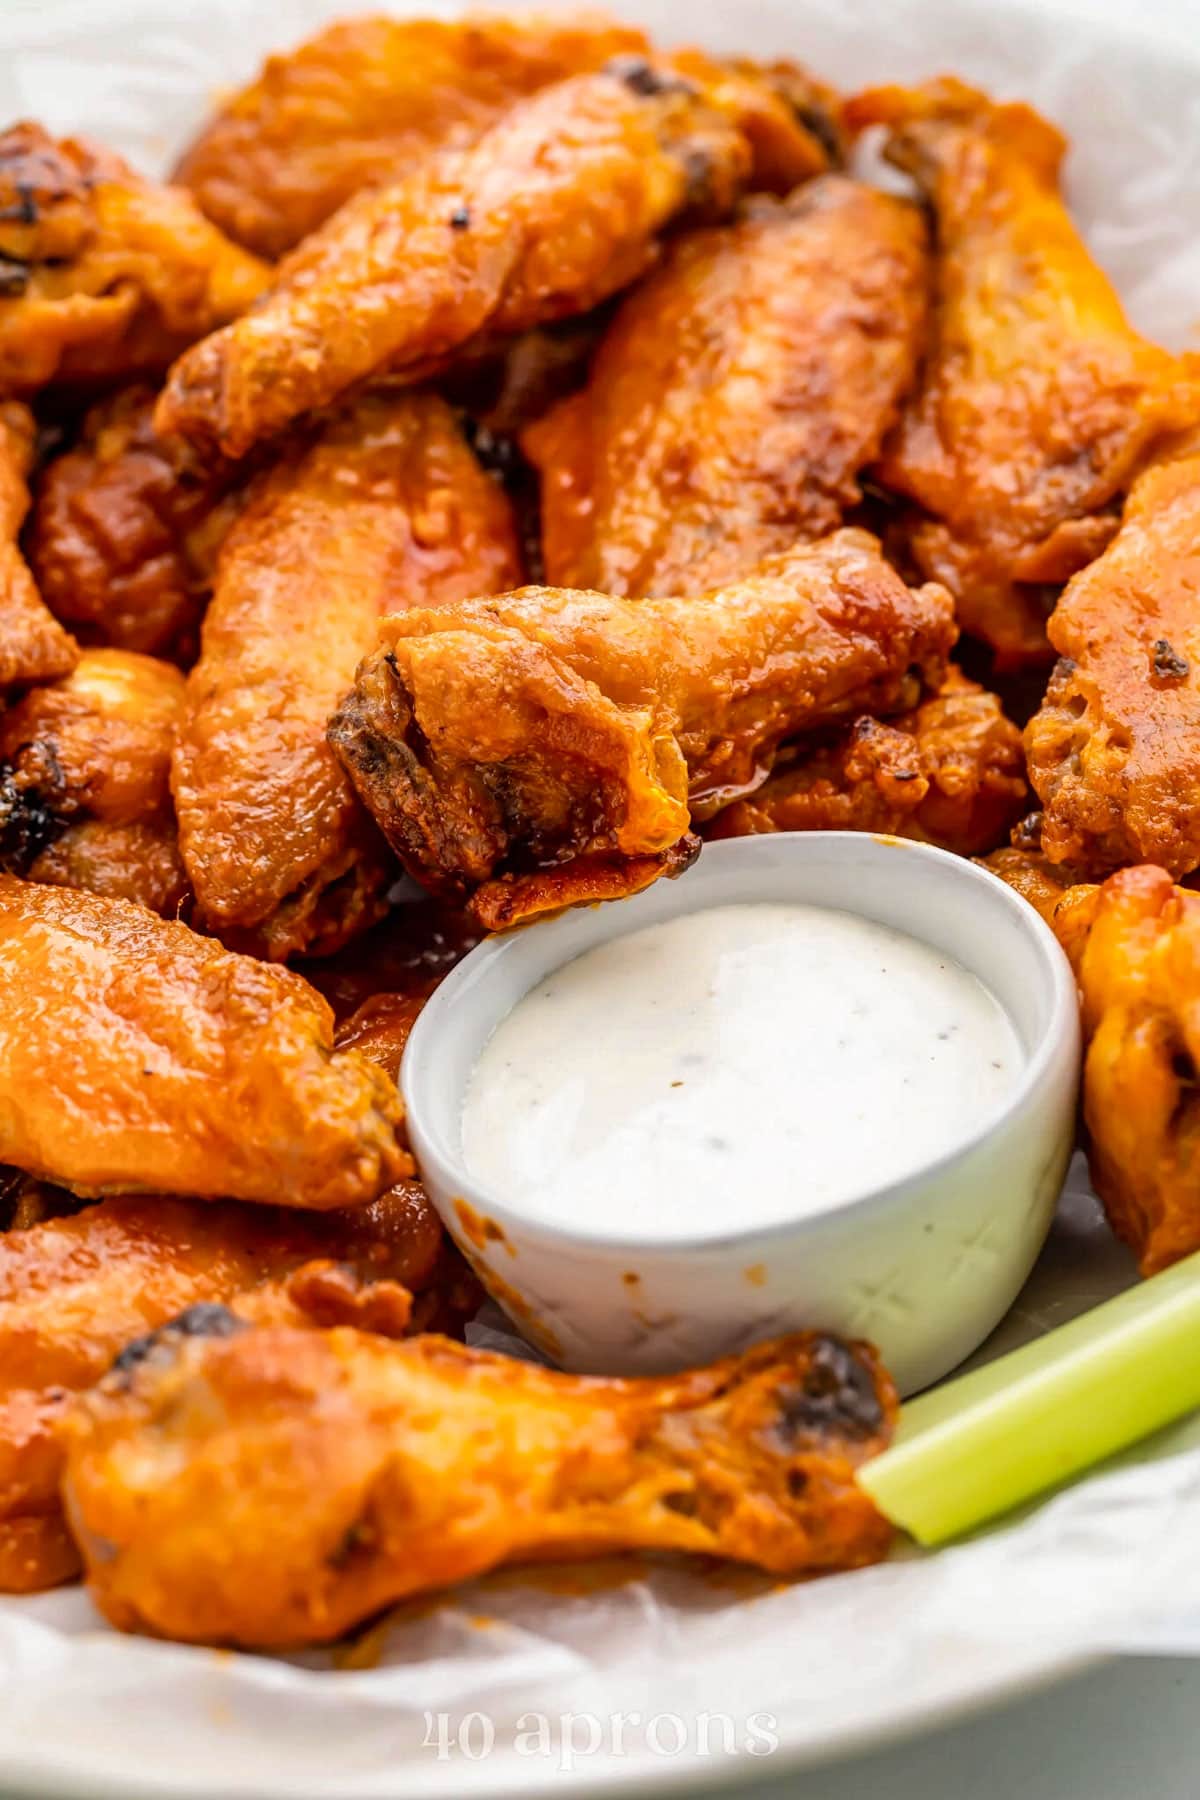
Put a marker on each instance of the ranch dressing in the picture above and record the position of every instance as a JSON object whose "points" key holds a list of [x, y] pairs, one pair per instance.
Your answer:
{"points": [[732, 1068]]}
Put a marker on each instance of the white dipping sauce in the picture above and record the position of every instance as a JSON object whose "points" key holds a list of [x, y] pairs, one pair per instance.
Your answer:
{"points": [[733, 1068]]}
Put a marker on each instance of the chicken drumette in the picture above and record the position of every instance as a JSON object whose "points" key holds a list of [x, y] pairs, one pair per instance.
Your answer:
{"points": [[271, 1487], [550, 747]]}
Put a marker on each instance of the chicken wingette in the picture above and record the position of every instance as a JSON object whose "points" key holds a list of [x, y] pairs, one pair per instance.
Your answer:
{"points": [[559, 205], [1135, 946], [385, 508], [74, 1291], [125, 530], [366, 99], [137, 1056], [736, 395], [1039, 402]]}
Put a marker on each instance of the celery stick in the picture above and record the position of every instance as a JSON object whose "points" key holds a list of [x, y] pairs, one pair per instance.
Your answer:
{"points": [[975, 1447]]}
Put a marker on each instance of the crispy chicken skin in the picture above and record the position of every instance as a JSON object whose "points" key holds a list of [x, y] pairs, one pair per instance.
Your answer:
{"points": [[1139, 978], [367, 99], [33, 645], [1135, 946], [950, 772], [269, 1487], [84, 767], [75, 1291], [1039, 401], [385, 508], [559, 205], [549, 747], [1064, 900], [103, 274], [136, 1056], [125, 530], [791, 120], [736, 395], [1114, 752]]}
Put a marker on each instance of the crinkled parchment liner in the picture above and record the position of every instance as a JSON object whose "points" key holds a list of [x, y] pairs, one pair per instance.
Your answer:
{"points": [[1112, 1563]]}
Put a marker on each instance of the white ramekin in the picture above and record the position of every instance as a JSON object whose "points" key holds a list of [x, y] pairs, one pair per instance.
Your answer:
{"points": [[924, 1268]]}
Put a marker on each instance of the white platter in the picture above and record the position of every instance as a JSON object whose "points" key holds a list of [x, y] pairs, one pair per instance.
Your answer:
{"points": [[840, 1664]]}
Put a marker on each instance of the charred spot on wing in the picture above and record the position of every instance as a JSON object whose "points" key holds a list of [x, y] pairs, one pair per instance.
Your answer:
{"points": [[820, 125], [14, 277], [699, 174], [1167, 663], [1027, 834], [498, 454], [24, 209], [28, 823], [641, 77], [203, 1320], [836, 1398]]}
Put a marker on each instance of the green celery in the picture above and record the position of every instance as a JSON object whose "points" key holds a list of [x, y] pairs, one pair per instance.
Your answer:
{"points": [[975, 1447]]}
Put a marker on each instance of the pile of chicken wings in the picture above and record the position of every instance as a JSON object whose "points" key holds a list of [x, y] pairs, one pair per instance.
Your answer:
{"points": [[506, 454]]}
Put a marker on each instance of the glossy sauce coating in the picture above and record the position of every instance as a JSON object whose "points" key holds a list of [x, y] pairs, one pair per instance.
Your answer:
{"points": [[555, 727], [367, 98], [105, 275], [341, 1473], [135, 1056], [125, 531], [555, 208], [950, 772], [33, 645], [1114, 751], [1039, 401], [84, 765], [385, 508], [736, 395]]}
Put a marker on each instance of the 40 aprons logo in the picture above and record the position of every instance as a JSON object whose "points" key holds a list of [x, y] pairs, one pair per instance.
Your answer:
{"points": [[569, 1738]]}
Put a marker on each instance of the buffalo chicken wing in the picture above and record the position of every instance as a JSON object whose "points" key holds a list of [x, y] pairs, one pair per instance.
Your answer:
{"points": [[33, 645], [268, 1487], [1114, 752], [736, 395], [74, 1291], [1135, 947], [125, 531], [1039, 401], [950, 773], [387, 508], [84, 766], [137, 1056], [558, 206], [367, 99], [103, 275], [549, 747]]}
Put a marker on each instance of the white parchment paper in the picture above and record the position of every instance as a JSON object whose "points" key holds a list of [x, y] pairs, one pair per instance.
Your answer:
{"points": [[1112, 1563]]}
